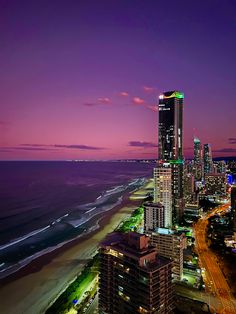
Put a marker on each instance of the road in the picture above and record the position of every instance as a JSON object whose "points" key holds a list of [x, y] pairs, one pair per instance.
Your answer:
{"points": [[214, 279]]}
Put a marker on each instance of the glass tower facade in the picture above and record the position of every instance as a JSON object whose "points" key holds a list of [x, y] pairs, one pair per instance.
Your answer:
{"points": [[207, 158], [197, 151], [171, 126], [171, 145]]}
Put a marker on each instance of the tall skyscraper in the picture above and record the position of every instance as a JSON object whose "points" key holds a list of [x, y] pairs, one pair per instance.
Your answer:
{"points": [[207, 159], [171, 144], [171, 126], [197, 162], [197, 151], [221, 166], [163, 191], [189, 192], [233, 205], [133, 277]]}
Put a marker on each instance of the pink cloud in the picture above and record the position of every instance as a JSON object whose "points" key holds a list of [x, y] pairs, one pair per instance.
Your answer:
{"points": [[89, 104], [148, 89], [104, 100], [142, 144], [152, 107], [125, 94], [138, 101]]}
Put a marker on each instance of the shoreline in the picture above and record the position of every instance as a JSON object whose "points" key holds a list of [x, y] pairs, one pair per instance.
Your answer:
{"points": [[92, 220], [39, 262], [40, 282]]}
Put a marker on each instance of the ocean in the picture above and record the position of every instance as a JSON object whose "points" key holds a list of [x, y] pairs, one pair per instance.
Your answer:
{"points": [[44, 205]]}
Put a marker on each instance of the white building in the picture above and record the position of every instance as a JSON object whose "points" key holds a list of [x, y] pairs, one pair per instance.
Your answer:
{"points": [[154, 216], [163, 190]]}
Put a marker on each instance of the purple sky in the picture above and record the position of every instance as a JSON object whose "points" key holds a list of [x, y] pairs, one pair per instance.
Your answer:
{"points": [[80, 79]]}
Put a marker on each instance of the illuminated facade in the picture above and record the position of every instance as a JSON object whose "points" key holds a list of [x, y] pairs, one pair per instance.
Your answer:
{"points": [[171, 144], [163, 191], [133, 277], [197, 151], [154, 216], [198, 163], [221, 166], [171, 244], [215, 183], [233, 204], [207, 159], [188, 186], [171, 126]]}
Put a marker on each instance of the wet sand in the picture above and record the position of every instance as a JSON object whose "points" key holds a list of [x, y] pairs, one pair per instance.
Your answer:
{"points": [[33, 289]]}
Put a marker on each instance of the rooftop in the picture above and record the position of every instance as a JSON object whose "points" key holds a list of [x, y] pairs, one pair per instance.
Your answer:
{"points": [[135, 246], [171, 94]]}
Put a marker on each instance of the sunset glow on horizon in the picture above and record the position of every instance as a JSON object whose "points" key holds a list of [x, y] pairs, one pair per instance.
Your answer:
{"points": [[81, 79]]}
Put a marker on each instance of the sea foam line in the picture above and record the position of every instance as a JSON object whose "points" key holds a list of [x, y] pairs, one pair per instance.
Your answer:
{"points": [[13, 242], [32, 233], [24, 262]]}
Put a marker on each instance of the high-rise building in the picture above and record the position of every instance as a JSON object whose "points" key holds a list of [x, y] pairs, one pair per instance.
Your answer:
{"points": [[197, 151], [163, 190], [133, 277], [171, 244], [188, 186], [171, 144], [221, 166], [207, 159], [192, 212], [171, 126], [154, 216], [215, 183], [233, 204], [197, 162], [197, 171]]}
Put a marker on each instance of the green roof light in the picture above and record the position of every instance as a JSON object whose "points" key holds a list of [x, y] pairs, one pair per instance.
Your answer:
{"points": [[179, 95], [175, 94], [176, 161]]}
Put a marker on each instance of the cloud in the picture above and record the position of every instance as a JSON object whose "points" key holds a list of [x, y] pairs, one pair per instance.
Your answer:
{"points": [[152, 107], [34, 145], [90, 104], [104, 100], [124, 94], [3, 150], [49, 147], [138, 101], [232, 140], [82, 147], [225, 150], [28, 148], [148, 89], [100, 101], [142, 144]]}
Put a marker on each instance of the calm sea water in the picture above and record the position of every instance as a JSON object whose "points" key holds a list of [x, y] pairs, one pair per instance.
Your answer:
{"points": [[45, 204]]}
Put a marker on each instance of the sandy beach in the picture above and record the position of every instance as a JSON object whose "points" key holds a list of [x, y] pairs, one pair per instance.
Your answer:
{"points": [[35, 287]]}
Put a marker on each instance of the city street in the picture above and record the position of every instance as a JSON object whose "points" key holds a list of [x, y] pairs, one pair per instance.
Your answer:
{"points": [[214, 279]]}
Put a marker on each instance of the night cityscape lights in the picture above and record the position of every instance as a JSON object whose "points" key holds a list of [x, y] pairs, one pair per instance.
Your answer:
{"points": [[118, 157]]}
